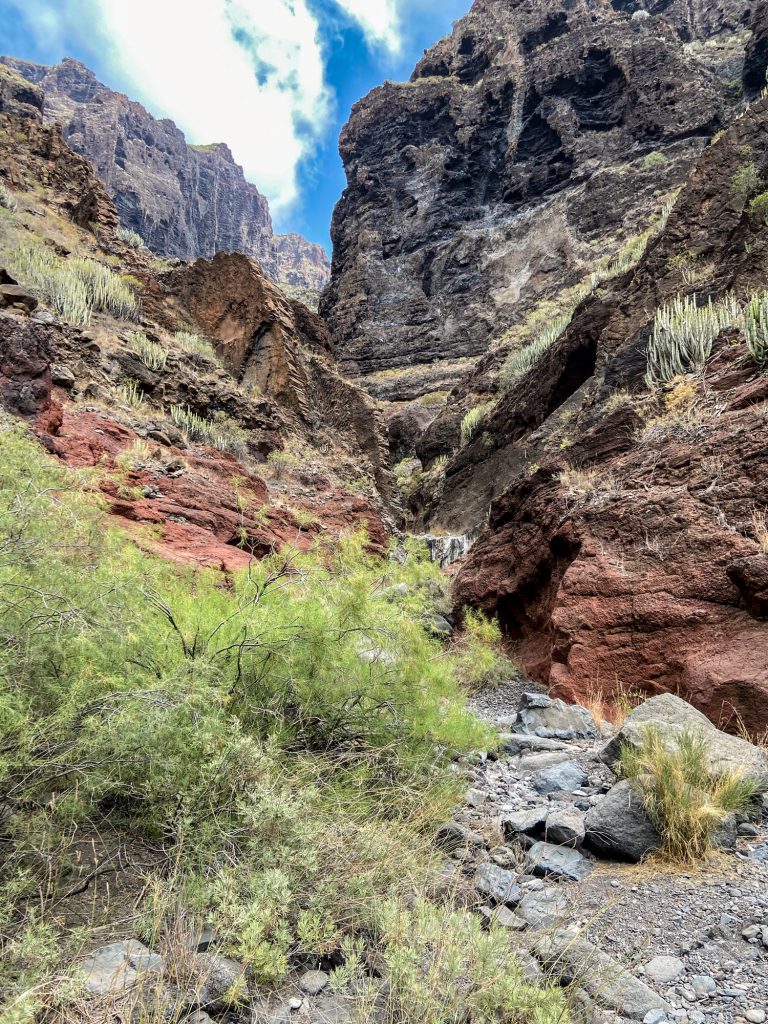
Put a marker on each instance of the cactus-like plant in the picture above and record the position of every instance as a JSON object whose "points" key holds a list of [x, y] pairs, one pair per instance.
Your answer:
{"points": [[683, 335], [756, 328]]}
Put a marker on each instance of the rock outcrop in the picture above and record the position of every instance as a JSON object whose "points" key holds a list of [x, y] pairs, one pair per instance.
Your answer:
{"points": [[185, 201], [627, 550], [534, 141]]}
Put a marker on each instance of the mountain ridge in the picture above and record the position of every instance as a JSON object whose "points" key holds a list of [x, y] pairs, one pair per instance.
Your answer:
{"points": [[186, 201]]}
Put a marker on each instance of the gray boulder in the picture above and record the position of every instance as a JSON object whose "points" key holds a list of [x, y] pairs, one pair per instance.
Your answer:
{"points": [[454, 836], [544, 909], [671, 716], [119, 967], [524, 821], [618, 826], [550, 861], [559, 778], [567, 955], [497, 884], [540, 715], [313, 982], [214, 980], [516, 744], [565, 827]]}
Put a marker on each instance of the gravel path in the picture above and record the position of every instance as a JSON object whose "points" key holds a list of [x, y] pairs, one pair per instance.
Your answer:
{"points": [[706, 924]]}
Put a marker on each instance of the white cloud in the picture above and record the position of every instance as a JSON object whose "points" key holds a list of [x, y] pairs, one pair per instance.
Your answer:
{"points": [[379, 20], [250, 73]]}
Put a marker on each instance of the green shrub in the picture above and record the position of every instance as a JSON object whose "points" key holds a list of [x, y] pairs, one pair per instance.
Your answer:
{"points": [[444, 968], [758, 208], [131, 238], [284, 739], [480, 657], [746, 182], [653, 161], [195, 343], [74, 287], [683, 335], [282, 462], [685, 801], [131, 393], [153, 356], [756, 328], [7, 198], [471, 423], [524, 359], [221, 431]]}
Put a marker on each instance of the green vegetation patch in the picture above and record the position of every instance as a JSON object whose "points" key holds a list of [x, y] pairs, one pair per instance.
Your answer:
{"points": [[283, 740]]}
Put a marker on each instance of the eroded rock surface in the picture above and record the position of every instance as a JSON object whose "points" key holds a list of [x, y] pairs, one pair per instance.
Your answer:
{"points": [[528, 145]]}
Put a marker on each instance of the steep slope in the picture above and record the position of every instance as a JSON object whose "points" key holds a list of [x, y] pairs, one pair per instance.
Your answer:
{"points": [[629, 549], [536, 140], [206, 401], [185, 201]]}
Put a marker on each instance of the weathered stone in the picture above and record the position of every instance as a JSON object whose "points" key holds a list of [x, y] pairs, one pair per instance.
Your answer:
{"points": [[118, 967], [458, 837], [664, 969], [544, 909], [559, 778], [551, 861], [524, 821], [566, 954], [499, 885], [565, 827], [617, 826], [515, 744], [313, 982], [185, 201], [553, 719]]}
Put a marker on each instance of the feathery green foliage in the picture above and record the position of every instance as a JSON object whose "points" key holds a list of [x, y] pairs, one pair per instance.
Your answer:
{"points": [[444, 968], [479, 654], [756, 328], [195, 343], [746, 181], [74, 287], [7, 198], [153, 356], [470, 424], [654, 160], [683, 335], [524, 359], [221, 431], [758, 208], [284, 742], [132, 238], [685, 801]]}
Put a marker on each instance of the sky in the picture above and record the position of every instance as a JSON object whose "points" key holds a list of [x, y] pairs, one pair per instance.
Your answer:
{"points": [[274, 79]]}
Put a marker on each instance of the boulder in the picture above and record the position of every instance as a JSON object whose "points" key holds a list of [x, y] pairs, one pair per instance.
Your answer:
{"points": [[559, 778], [618, 826], [313, 982], [664, 969], [569, 956], [214, 980], [524, 821], [549, 861], [671, 716], [497, 884], [516, 744], [540, 715], [543, 909], [458, 837], [565, 826], [118, 967]]}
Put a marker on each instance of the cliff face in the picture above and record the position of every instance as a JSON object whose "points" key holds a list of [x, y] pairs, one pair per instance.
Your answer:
{"points": [[185, 201], [535, 140], [629, 548]]}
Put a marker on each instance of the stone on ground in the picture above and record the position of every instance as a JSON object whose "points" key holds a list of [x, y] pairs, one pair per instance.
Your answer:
{"points": [[540, 715], [619, 827], [550, 861], [313, 982], [118, 967], [664, 969], [565, 826], [559, 778], [497, 884], [567, 955]]}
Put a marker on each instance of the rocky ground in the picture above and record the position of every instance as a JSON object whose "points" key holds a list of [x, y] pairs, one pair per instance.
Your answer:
{"points": [[653, 941]]}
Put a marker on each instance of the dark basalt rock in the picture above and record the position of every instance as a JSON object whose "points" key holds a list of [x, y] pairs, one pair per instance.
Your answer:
{"points": [[185, 201], [511, 162]]}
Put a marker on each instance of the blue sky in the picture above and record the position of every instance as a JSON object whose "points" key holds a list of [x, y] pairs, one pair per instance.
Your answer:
{"points": [[275, 79]]}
